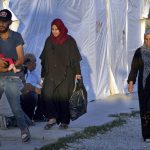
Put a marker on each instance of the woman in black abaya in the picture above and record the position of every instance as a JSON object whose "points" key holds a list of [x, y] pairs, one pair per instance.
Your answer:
{"points": [[60, 60], [141, 67]]}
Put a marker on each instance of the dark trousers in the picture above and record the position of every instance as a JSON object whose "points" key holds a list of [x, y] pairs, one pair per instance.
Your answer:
{"points": [[40, 110], [28, 103], [58, 109]]}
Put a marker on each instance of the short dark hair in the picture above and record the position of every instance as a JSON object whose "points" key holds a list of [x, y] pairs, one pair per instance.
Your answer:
{"points": [[29, 58], [5, 15]]}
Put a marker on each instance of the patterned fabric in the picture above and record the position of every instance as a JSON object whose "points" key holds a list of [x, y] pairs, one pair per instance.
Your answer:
{"points": [[146, 119], [145, 52]]}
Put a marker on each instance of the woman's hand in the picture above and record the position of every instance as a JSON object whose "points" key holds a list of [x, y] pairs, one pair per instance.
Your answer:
{"points": [[130, 86], [78, 77]]}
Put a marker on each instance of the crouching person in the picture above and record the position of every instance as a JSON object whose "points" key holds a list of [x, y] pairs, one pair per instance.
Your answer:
{"points": [[32, 87]]}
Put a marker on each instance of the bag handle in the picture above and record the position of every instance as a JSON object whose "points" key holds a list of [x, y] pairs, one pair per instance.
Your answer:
{"points": [[75, 85]]}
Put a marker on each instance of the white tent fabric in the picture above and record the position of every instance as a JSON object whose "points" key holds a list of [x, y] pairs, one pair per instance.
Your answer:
{"points": [[145, 5], [114, 48], [1, 4], [105, 30]]}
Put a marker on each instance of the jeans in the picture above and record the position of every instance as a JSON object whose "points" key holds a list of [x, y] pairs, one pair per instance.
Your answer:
{"points": [[12, 86]]}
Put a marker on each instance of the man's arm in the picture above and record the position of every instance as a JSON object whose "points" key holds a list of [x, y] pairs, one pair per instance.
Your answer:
{"points": [[3, 66], [3, 69], [20, 54]]}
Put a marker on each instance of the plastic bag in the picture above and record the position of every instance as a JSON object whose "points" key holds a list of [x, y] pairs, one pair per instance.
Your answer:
{"points": [[78, 101]]}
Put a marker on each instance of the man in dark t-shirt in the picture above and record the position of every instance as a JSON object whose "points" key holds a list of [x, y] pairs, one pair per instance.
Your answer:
{"points": [[11, 45]]}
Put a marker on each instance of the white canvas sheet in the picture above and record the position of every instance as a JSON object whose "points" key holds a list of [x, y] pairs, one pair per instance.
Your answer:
{"points": [[105, 31]]}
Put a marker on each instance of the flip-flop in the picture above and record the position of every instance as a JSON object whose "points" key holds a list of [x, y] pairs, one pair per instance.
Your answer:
{"points": [[25, 136], [49, 126]]}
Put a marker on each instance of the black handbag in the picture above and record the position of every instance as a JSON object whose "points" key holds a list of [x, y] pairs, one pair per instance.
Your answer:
{"points": [[78, 101]]}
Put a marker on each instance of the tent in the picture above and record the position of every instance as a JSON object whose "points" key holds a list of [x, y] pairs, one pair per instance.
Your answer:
{"points": [[107, 33]]}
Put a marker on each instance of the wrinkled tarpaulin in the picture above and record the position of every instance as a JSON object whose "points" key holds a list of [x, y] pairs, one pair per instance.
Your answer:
{"points": [[105, 31]]}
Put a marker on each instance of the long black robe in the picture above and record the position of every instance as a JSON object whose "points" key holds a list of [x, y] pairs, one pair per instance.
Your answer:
{"points": [[60, 64], [137, 68]]}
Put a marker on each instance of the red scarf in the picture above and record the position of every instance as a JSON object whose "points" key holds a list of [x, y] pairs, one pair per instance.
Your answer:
{"points": [[63, 32]]}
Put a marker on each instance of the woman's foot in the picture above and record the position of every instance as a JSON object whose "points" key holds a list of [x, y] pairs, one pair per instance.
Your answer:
{"points": [[63, 126], [50, 124]]}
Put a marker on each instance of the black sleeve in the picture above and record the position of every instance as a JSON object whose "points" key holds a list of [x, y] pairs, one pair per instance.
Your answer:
{"points": [[134, 67], [43, 60], [42, 69], [75, 56]]}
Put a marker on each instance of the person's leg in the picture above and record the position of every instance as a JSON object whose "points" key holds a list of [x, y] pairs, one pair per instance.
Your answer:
{"points": [[50, 109], [64, 92], [13, 96], [39, 111], [64, 112], [28, 103], [51, 114], [1, 87], [3, 123]]}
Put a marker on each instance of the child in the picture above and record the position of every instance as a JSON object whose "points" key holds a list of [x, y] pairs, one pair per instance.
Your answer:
{"points": [[10, 63]]}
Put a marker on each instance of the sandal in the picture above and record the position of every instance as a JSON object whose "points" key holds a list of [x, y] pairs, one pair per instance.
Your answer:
{"points": [[25, 135], [63, 126], [49, 126]]}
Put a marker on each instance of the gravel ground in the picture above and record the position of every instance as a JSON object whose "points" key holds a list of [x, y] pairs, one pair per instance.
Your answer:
{"points": [[126, 137]]}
